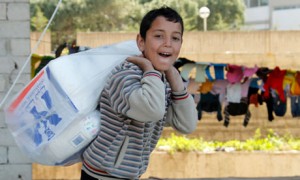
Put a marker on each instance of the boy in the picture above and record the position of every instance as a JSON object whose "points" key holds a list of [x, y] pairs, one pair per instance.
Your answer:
{"points": [[141, 96]]}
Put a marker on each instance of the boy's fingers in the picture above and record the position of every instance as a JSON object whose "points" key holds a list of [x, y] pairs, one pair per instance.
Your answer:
{"points": [[142, 62], [136, 58]]}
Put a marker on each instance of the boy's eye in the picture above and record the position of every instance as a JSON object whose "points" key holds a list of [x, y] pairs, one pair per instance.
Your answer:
{"points": [[176, 38], [158, 36]]}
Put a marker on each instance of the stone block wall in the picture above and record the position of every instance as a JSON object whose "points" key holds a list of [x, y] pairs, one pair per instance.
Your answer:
{"points": [[14, 50]]}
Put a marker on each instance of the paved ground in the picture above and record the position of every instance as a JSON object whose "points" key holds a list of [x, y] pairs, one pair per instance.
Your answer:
{"points": [[269, 178]]}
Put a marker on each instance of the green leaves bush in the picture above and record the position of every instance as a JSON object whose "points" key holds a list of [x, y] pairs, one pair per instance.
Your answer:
{"points": [[272, 142]]}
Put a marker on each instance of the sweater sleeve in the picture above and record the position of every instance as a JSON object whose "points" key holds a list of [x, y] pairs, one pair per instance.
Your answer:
{"points": [[147, 103], [137, 95], [182, 114]]}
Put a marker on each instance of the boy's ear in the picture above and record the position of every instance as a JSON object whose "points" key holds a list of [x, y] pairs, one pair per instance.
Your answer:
{"points": [[140, 42]]}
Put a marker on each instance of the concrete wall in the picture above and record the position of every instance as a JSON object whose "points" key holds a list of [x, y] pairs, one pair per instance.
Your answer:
{"points": [[264, 48], [14, 50], [198, 165], [44, 47], [222, 165]]}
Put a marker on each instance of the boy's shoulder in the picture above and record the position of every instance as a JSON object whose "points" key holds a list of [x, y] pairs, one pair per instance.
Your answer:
{"points": [[126, 67]]}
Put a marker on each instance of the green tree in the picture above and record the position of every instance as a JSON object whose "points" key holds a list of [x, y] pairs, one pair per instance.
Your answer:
{"points": [[108, 15], [39, 21], [125, 15], [188, 10], [224, 15], [64, 25], [116, 15]]}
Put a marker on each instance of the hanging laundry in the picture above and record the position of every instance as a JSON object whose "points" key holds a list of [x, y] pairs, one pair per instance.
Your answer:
{"points": [[263, 73], [234, 73], [218, 71], [236, 109], [234, 93], [297, 77], [275, 81], [200, 71], [295, 106], [219, 87], [269, 104], [236, 89], [237, 73], [253, 92], [295, 86], [249, 72], [186, 69], [279, 106], [237, 101], [206, 87], [209, 103], [181, 61]]}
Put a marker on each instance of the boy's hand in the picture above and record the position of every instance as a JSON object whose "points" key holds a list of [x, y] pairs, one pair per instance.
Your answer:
{"points": [[142, 62], [174, 79]]}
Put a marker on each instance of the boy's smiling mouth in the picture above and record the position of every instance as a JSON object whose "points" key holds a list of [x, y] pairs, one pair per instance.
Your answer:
{"points": [[165, 54]]}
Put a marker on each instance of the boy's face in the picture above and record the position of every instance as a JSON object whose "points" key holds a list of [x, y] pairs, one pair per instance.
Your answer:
{"points": [[162, 44]]}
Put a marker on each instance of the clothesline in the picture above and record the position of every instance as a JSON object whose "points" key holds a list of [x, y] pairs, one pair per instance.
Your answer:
{"points": [[230, 89]]}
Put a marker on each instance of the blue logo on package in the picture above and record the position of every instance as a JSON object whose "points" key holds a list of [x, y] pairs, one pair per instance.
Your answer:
{"points": [[44, 120], [45, 111]]}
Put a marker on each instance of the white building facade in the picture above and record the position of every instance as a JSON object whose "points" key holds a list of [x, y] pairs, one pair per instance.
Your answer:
{"points": [[272, 15]]}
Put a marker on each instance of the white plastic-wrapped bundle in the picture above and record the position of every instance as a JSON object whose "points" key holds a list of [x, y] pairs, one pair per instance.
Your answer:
{"points": [[54, 118]]}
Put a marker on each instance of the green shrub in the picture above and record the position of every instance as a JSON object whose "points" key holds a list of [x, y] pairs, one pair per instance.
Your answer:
{"points": [[272, 142]]}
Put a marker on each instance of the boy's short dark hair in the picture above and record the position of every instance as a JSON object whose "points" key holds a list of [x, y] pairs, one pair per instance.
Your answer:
{"points": [[165, 11]]}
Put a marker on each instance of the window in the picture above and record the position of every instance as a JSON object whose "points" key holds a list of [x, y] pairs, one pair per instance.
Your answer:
{"points": [[256, 3], [264, 2]]}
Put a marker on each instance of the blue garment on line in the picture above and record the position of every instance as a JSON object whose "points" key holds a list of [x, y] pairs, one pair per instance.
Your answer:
{"points": [[295, 106], [279, 107]]}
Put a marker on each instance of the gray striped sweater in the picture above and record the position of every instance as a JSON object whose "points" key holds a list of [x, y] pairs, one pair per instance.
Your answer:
{"points": [[135, 106]]}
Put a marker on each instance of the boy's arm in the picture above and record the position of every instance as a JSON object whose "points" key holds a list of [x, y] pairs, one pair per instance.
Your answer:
{"points": [[147, 103], [182, 114], [140, 98]]}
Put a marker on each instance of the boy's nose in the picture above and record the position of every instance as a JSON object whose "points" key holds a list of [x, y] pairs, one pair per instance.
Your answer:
{"points": [[168, 42]]}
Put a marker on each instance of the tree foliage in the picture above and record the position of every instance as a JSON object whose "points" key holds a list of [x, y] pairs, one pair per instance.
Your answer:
{"points": [[226, 15], [125, 15], [39, 21]]}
